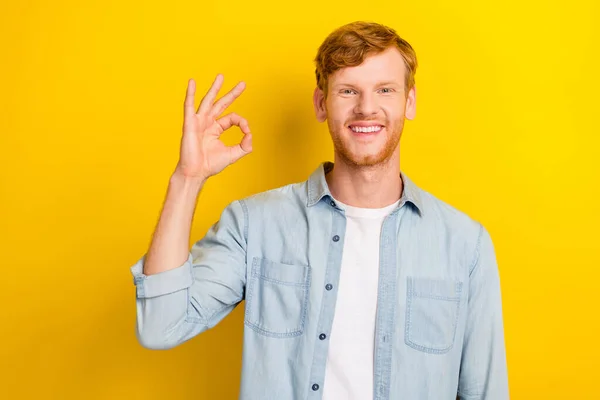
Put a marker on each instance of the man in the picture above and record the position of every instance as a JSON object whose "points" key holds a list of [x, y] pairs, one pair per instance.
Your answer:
{"points": [[357, 283]]}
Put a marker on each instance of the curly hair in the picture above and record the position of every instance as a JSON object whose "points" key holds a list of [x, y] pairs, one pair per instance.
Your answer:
{"points": [[350, 44]]}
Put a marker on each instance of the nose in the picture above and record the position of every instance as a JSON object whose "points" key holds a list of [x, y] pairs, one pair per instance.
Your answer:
{"points": [[366, 105]]}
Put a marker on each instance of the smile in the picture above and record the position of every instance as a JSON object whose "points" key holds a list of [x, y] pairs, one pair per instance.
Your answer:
{"points": [[366, 129]]}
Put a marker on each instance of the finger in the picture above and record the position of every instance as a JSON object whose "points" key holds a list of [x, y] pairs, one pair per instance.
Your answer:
{"points": [[231, 119], [240, 150], [211, 95], [225, 101], [188, 104]]}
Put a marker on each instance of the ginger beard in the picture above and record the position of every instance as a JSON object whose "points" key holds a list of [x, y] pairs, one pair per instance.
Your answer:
{"points": [[365, 153]]}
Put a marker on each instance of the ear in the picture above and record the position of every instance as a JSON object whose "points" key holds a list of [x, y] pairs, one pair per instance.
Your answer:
{"points": [[319, 104], [411, 103]]}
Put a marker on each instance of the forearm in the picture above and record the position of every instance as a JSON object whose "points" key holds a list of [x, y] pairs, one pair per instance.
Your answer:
{"points": [[181, 302], [169, 247]]}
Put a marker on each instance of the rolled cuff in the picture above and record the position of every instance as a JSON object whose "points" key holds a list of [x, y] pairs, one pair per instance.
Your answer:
{"points": [[162, 283]]}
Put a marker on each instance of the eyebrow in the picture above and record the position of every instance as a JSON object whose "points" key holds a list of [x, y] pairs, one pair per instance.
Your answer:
{"points": [[388, 83], [384, 83]]}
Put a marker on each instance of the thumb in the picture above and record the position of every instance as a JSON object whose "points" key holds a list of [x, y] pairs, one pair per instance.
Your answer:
{"points": [[244, 148]]}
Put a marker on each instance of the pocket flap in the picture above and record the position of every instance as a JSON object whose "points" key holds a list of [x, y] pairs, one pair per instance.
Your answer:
{"points": [[435, 288], [276, 272]]}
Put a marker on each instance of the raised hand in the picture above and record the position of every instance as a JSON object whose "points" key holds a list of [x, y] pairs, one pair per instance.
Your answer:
{"points": [[202, 153]]}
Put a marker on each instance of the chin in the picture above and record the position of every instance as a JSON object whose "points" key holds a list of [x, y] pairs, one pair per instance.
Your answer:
{"points": [[365, 160]]}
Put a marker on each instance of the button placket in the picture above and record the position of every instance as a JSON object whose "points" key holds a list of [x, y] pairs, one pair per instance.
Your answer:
{"points": [[326, 317]]}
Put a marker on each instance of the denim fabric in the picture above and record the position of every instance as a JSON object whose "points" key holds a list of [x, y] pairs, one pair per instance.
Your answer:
{"points": [[439, 327]]}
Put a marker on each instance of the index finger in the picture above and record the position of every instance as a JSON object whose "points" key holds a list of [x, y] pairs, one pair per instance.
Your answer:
{"points": [[231, 119]]}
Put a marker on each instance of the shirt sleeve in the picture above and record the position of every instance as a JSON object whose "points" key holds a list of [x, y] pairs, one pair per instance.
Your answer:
{"points": [[483, 372], [175, 305]]}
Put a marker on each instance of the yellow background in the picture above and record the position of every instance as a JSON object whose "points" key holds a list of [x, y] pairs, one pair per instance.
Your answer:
{"points": [[91, 111]]}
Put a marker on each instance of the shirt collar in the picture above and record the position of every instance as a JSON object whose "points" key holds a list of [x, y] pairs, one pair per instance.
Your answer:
{"points": [[318, 188]]}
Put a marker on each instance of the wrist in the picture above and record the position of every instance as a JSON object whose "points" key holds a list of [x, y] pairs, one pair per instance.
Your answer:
{"points": [[187, 183]]}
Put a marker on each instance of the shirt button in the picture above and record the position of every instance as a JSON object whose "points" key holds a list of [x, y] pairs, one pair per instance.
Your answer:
{"points": [[315, 387], [336, 238], [332, 203], [329, 286], [322, 336]]}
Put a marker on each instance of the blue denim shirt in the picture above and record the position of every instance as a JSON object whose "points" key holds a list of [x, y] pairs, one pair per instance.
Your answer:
{"points": [[439, 327]]}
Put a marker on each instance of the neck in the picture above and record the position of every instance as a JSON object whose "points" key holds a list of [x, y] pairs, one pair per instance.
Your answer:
{"points": [[368, 187]]}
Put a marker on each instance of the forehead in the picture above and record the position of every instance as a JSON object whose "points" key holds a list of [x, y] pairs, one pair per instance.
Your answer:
{"points": [[385, 66]]}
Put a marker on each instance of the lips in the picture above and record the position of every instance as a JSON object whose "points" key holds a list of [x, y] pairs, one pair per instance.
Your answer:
{"points": [[365, 126], [366, 129], [366, 135], [365, 123]]}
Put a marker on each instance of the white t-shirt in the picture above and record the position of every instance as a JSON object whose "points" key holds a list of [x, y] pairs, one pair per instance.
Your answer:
{"points": [[349, 368]]}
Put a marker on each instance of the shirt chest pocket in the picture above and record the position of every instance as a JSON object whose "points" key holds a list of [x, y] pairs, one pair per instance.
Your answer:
{"points": [[276, 298], [432, 311]]}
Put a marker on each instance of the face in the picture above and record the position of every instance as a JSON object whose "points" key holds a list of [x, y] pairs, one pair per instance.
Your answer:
{"points": [[365, 109]]}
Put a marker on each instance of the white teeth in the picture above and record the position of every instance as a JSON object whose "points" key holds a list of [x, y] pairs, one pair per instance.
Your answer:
{"points": [[366, 129]]}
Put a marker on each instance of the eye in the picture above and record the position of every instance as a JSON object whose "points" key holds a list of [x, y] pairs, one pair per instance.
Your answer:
{"points": [[347, 91], [389, 90]]}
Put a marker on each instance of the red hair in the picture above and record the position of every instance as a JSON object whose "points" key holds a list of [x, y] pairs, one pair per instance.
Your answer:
{"points": [[350, 44]]}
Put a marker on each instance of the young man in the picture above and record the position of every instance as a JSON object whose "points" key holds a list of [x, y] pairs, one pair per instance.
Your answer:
{"points": [[357, 283]]}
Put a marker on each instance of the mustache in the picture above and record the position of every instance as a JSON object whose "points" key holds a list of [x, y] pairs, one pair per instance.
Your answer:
{"points": [[366, 120]]}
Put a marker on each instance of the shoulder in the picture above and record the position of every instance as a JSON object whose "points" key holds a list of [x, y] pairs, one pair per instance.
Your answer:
{"points": [[446, 213], [289, 195], [459, 227]]}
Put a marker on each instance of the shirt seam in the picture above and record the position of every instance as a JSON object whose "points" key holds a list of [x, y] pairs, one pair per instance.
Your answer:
{"points": [[476, 254], [246, 221]]}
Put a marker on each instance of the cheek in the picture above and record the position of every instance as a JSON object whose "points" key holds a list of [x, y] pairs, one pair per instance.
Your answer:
{"points": [[394, 111], [339, 109], [339, 118]]}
